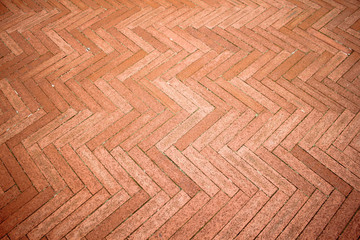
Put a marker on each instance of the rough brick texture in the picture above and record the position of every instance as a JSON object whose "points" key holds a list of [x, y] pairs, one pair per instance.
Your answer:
{"points": [[180, 119]]}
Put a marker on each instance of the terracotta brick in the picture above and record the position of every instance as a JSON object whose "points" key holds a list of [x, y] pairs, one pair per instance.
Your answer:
{"points": [[11, 44], [42, 213], [98, 216], [321, 170], [265, 42], [96, 129], [182, 216], [335, 129], [222, 94], [282, 218], [73, 121], [335, 167], [130, 97], [125, 133], [178, 39], [241, 13], [222, 68], [154, 172], [267, 130], [265, 14], [304, 170], [249, 129], [60, 214], [134, 170], [201, 217], [162, 131], [216, 129], [180, 66], [6, 180], [223, 216], [118, 216], [123, 39], [163, 38], [323, 216], [30, 168], [330, 41], [285, 66], [80, 169], [137, 219], [47, 169], [243, 183], [181, 179], [246, 169], [318, 130], [345, 212], [161, 96], [241, 65], [21, 199], [284, 130], [263, 216], [347, 134], [303, 95], [267, 171], [281, 43], [195, 66], [113, 96], [79, 129], [256, 65], [231, 38], [302, 217], [347, 94], [242, 97], [146, 65], [206, 167], [26, 210], [198, 129], [140, 65], [344, 160], [78, 215], [180, 130], [271, 65], [98, 170], [123, 65], [243, 217], [161, 216], [144, 95], [271, 95], [98, 96], [112, 130], [351, 230], [165, 12], [179, 17], [192, 171], [259, 47], [202, 36], [179, 119]]}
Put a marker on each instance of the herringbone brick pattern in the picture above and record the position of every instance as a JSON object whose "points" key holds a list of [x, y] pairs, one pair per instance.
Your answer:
{"points": [[179, 119]]}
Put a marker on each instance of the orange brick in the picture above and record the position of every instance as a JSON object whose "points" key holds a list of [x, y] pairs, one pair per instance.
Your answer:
{"points": [[26, 210], [79, 214], [201, 217], [42, 213], [118, 216], [304, 170], [302, 217], [243, 217]]}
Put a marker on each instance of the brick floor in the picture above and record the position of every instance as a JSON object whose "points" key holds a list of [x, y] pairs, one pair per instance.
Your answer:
{"points": [[180, 119]]}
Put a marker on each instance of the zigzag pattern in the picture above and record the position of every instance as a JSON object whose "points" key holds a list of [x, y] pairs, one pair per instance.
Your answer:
{"points": [[179, 119]]}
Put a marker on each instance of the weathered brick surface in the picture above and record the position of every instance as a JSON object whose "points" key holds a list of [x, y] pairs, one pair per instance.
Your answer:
{"points": [[179, 119]]}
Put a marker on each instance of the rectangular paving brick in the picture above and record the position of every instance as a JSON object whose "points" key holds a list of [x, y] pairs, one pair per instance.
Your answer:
{"points": [[179, 119]]}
